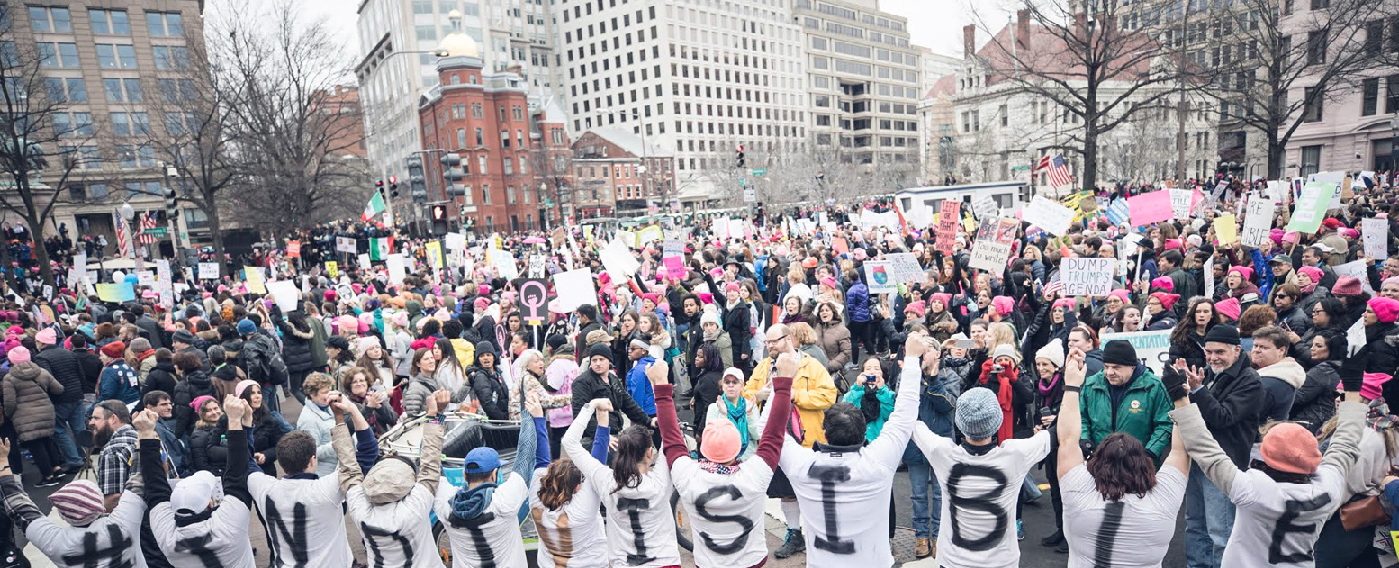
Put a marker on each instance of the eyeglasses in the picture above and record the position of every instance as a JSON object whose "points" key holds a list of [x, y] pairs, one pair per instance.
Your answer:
{"points": [[773, 341]]}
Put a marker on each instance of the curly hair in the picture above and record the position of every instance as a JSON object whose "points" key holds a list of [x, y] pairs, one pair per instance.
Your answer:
{"points": [[1120, 465], [558, 484]]}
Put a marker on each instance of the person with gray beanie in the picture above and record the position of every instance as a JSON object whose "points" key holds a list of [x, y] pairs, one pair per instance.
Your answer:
{"points": [[982, 481]]}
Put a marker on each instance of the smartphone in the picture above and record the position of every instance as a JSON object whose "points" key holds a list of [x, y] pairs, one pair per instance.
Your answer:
{"points": [[965, 344]]}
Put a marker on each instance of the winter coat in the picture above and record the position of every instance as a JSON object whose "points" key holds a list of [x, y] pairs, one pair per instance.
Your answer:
{"points": [[1142, 412], [91, 369], [379, 419], [639, 387], [161, 378], [490, 390], [937, 404], [317, 344], [558, 381], [857, 302], [208, 450], [861, 395], [941, 326], [152, 331], [416, 392], [318, 423], [1315, 402], [119, 382], [1192, 350], [580, 343], [296, 347], [1280, 382], [817, 353], [27, 389], [589, 386], [1231, 403], [704, 391], [834, 339], [193, 385], [813, 392], [724, 345], [738, 323], [67, 369], [267, 434]]}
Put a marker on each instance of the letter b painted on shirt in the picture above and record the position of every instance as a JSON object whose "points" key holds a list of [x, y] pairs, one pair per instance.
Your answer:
{"points": [[830, 475], [702, 509], [984, 502]]}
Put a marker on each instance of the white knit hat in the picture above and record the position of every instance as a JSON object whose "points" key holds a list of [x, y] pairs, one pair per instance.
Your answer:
{"points": [[1054, 352]]}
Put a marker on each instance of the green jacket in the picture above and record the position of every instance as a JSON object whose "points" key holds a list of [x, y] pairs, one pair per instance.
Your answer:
{"points": [[885, 395], [1142, 413]]}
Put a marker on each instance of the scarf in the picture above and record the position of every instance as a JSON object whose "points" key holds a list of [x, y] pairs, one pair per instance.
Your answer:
{"points": [[718, 468], [1045, 389], [1309, 289], [1005, 394], [738, 414]]}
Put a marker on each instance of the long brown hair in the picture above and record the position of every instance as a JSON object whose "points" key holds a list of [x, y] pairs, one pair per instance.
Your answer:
{"points": [[632, 445], [1181, 334], [559, 483], [1120, 465]]}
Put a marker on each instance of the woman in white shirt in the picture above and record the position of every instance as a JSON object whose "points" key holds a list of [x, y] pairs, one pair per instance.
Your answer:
{"points": [[565, 509], [1118, 509], [636, 491]]}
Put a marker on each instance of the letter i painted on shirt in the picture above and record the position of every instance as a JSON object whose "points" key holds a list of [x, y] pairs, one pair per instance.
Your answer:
{"points": [[830, 475], [633, 509]]}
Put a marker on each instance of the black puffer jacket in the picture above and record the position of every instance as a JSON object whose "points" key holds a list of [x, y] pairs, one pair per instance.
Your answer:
{"points": [[1315, 402], [296, 347], [161, 378], [208, 450], [487, 385], [194, 385], [66, 369]]}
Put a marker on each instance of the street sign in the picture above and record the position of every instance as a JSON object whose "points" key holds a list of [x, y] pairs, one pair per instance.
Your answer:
{"points": [[742, 181], [157, 232], [758, 171], [750, 196]]}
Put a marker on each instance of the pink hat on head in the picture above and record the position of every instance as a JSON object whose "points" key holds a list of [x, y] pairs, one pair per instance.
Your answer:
{"points": [[732, 287], [1066, 303], [483, 290], [399, 319], [706, 297], [1291, 448], [79, 503], [1122, 295], [917, 308], [1229, 307], [347, 322], [47, 336], [1174, 244], [1373, 386], [1164, 283], [1351, 234], [1386, 309], [18, 355], [721, 442], [199, 401], [1004, 304], [1312, 272], [481, 303], [1244, 272], [1275, 235], [365, 343], [242, 386], [1347, 286]]}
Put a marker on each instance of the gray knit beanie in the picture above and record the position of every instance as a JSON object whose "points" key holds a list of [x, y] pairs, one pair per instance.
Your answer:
{"points": [[979, 414]]}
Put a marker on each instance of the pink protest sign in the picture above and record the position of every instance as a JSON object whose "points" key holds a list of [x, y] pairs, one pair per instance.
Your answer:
{"points": [[1149, 208]]}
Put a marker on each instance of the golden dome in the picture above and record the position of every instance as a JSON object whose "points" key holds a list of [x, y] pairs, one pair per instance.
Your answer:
{"points": [[458, 44]]}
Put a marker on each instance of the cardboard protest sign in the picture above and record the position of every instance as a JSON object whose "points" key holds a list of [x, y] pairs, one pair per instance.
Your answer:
{"points": [[673, 254], [1087, 276], [652, 233], [534, 301], [1153, 347], [1209, 277], [536, 266], [1311, 206], [1183, 203], [332, 269], [253, 278], [575, 288], [433, 251], [984, 207], [1375, 233], [455, 241], [1258, 221], [116, 292], [1046, 214], [1225, 231], [1118, 213], [839, 245], [504, 263], [1149, 208], [878, 277], [345, 244], [364, 261], [293, 249], [947, 225], [284, 292], [617, 258], [208, 271], [905, 268], [992, 248], [394, 262]]}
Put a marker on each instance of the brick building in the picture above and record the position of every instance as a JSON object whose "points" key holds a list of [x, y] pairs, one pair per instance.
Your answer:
{"points": [[513, 153], [611, 180]]}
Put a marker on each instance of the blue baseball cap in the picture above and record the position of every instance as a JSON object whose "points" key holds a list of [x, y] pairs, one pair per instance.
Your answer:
{"points": [[481, 460]]}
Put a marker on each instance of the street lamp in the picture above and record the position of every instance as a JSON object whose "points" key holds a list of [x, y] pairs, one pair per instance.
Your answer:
{"points": [[128, 213]]}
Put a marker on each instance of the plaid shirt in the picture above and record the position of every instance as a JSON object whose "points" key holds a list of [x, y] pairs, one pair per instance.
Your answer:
{"points": [[114, 464]]}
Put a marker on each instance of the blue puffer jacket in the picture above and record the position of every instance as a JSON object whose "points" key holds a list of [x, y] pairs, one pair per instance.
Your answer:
{"points": [[120, 382], [937, 403], [857, 302]]}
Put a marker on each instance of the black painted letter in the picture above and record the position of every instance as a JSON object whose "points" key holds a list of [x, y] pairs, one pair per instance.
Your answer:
{"points": [[830, 475], [985, 503], [1286, 525], [633, 509], [372, 536], [294, 540], [702, 510]]}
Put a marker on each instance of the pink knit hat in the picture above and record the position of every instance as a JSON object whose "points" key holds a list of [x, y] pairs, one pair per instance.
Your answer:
{"points": [[1244, 272], [19, 355], [47, 336], [199, 401], [79, 503], [242, 386], [918, 308], [1004, 305], [1386, 310], [365, 343], [1373, 386], [721, 442], [1229, 307], [1291, 448], [1312, 272], [946, 300], [1164, 283]]}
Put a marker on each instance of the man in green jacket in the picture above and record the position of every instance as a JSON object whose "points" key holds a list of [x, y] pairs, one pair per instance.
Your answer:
{"points": [[1126, 397]]}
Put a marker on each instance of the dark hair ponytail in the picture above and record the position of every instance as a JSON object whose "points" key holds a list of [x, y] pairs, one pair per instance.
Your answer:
{"points": [[632, 445]]}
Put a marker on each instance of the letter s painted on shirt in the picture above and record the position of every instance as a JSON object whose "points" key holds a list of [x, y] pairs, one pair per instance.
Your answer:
{"points": [[702, 509]]}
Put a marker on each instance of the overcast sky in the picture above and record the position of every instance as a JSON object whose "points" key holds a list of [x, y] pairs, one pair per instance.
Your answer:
{"points": [[933, 23]]}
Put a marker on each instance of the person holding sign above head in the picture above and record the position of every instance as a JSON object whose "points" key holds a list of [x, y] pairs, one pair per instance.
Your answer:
{"points": [[1119, 510], [844, 484], [1284, 498]]}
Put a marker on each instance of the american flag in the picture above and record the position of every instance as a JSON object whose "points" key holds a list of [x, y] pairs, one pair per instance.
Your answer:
{"points": [[120, 224], [1044, 163], [1059, 172], [148, 221]]}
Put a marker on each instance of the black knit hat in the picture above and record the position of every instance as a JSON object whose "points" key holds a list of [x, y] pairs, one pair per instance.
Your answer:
{"points": [[599, 350], [1119, 352], [1223, 334]]}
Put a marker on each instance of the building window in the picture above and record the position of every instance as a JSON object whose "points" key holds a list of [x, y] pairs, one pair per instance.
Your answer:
{"points": [[65, 90], [485, 194], [481, 161], [122, 90], [43, 19], [166, 57], [1316, 47], [509, 167], [109, 22], [1369, 96], [1005, 116], [165, 24], [1391, 94], [461, 138], [177, 90], [121, 56], [480, 138], [1311, 110], [1311, 160], [510, 194], [63, 55], [504, 138]]}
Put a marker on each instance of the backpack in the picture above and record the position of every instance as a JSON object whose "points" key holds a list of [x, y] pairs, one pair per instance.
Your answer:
{"points": [[264, 365]]}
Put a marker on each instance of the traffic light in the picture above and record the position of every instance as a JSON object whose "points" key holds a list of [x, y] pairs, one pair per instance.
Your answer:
{"points": [[393, 186], [417, 180], [170, 210], [740, 157], [463, 211], [439, 219], [379, 186]]}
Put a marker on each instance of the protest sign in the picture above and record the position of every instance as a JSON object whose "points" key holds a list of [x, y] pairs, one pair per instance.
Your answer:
{"points": [[1183, 203], [364, 261], [534, 300], [878, 277], [992, 248], [1311, 206], [1118, 213], [536, 266], [48, 292], [617, 258], [1357, 269], [1087, 276], [904, 268], [504, 263], [1375, 233], [947, 225], [652, 233], [1225, 231], [455, 241], [985, 207], [284, 292], [1044, 213], [345, 244], [1149, 208], [252, 278], [1209, 277], [332, 269], [394, 262], [1153, 347], [673, 254], [116, 292], [145, 278], [839, 245], [575, 288], [293, 249], [1258, 221], [208, 271], [433, 251]]}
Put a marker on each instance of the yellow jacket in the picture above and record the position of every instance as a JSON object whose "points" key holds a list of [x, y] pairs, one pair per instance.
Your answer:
{"points": [[813, 392], [466, 352]]}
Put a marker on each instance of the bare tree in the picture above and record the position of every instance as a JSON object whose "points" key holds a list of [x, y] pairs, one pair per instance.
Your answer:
{"points": [[1073, 53], [295, 136], [1259, 51], [42, 144]]}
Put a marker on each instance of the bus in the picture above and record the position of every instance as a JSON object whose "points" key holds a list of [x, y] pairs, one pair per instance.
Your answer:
{"points": [[1010, 196]]}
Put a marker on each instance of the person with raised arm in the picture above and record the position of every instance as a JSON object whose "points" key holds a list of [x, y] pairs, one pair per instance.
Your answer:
{"points": [[565, 509], [1119, 510], [724, 498]]}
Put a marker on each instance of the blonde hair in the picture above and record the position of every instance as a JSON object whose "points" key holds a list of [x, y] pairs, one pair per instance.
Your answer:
{"points": [[1000, 333], [802, 333]]}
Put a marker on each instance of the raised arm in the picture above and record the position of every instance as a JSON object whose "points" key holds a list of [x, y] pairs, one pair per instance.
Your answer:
{"points": [[672, 442], [235, 472], [13, 497], [348, 468], [535, 408], [152, 466], [430, 456], [889, 447], [1069, 425], [573, 439]]}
